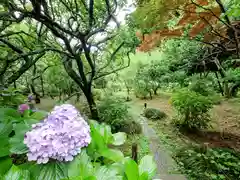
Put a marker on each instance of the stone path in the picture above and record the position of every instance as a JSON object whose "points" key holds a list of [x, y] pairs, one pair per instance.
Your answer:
{"points": [[165, 163]]}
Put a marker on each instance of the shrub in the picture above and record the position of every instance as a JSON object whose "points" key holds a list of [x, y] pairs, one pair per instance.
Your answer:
{"points": [[201, 87], [97, 94], [192, 109], [83, 108], [154, 114], [11, 97], [113, 111], [130, 127], [97, 160], [211, 164]]}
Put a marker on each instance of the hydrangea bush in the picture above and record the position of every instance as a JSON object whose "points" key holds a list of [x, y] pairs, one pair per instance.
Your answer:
{"points": [[60, 136]]}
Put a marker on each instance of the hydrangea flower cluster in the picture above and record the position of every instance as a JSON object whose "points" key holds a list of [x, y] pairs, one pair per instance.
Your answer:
{"points": [[23, 107], [60, 136]]}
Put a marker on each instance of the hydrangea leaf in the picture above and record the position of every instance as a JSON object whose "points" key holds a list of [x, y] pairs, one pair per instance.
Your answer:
{"points": [[39, 115], [16, 173], [112, 154], [16, 142], [52, 171], [119, 138], [9, 115], [5, 164], [97, 142], [148, 165], [144, 176], [4, 147], [105, 173], [131, 169], [5, 129], [80, 166]]}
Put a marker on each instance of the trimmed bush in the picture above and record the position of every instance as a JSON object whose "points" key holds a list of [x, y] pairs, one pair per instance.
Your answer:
{"points": [[193, 109], [154, 114], [130, 127]]}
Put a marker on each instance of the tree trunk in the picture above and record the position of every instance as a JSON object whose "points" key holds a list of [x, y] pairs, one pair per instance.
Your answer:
{"points": [[219, 84], [155, 91], [15, 84], [43, 93], [92, 105], [226, 90], [150, 93]]}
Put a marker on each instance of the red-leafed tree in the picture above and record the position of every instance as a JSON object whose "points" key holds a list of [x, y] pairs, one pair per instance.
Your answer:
{"points": [[220, 34]]}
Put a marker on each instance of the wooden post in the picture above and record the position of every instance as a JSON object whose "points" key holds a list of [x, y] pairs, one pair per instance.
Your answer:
{"points": [[134, 152]]}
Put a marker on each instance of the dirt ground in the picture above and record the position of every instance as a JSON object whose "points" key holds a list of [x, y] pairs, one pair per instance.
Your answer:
{"points": [[225, 130]]}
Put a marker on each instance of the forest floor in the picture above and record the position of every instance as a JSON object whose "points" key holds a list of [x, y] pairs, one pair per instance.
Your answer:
{"points": [[225, 130]]}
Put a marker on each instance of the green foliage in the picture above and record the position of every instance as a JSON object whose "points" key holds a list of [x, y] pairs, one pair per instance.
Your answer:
{"points": [[11, 97], [113, 111], [233, 75], [149, 78], [154, 114], [96, 162], [211, 164], [144, 171], [129, 126], [97, 94], [200, 86], [193, 109]]}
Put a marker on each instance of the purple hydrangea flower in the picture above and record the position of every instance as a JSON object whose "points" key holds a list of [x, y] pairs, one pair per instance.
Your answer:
{"points": [[30, 98], [60, 136], [23, 107]]}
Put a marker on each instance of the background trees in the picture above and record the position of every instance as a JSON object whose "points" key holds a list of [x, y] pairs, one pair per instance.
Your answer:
{"points": [[78, 32]]}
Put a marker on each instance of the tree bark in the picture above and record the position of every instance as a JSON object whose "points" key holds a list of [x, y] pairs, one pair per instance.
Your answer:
{"points": [[43, 93], [219, 84], [92, 105], [155, 91]]}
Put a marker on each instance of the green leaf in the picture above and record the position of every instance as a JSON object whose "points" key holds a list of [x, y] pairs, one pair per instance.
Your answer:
{"points": [[26, 113], [16, 142], [144, 176], [51, 171], [80, 166], [105, 131], [148, 165], [5, 164], [105, 173], [4, 147], [97, 139], [131, 169], [119, 138], [16, 173], [112, 154], [9, 112], [39, 115], [5, 129]]}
